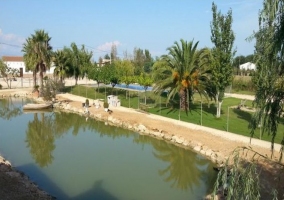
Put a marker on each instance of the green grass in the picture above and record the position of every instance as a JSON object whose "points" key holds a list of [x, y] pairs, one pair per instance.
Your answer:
{"points": [[231, 120]]}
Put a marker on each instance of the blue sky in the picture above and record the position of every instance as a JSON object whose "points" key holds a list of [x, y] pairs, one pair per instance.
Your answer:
{"points": [[147, 24]]}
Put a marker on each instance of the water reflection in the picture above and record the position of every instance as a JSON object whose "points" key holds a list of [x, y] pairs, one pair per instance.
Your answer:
{"points": [[185, 168], [9, 109], [178, 167], [40, 139], [41, 133]]}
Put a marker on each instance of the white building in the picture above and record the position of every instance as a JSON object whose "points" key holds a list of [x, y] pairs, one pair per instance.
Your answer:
{"points": [[17, 62], [248, 66]]}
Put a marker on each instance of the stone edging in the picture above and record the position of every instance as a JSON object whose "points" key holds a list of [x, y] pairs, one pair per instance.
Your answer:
{"points": [[214, 156]]}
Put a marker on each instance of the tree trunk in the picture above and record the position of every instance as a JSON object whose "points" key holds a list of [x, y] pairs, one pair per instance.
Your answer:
{"points": [[183, 101], [34, 78], [218, 105]]}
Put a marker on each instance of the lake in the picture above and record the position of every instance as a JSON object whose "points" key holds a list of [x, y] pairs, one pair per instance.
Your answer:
{"points": [[74, 158]]}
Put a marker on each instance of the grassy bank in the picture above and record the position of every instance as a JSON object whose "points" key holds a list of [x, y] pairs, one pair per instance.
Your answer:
{"points": [[201, 112]]}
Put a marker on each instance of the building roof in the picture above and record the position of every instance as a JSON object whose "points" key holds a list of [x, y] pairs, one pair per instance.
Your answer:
{"points": [[12, 58], [248, 65]]}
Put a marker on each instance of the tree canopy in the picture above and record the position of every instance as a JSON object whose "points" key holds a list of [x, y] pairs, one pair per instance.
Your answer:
{"points": [[222, 36]]}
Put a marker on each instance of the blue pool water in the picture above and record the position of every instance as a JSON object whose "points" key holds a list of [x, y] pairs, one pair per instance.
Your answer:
{"points": [[133, 87]]}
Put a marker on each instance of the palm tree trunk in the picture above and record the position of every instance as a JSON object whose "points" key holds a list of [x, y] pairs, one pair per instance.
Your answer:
{"points": [[183, 101], [34, 78]]}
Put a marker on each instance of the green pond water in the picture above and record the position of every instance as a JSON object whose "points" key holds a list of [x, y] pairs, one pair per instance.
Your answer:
{"points": [[74, 158]]}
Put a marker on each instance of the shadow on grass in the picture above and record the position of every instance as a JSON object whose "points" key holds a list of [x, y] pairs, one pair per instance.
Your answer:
{"points": [[242, 114]]}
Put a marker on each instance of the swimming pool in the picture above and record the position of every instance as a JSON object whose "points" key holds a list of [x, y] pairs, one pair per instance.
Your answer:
{"points": [[133, 87]]}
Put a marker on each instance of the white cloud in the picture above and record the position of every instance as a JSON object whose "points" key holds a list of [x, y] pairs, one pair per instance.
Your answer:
{"points": [[11, 39], [107, 46], [10, 44]]}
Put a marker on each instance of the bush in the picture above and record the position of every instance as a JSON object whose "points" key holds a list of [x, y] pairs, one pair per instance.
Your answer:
{"points": [[241, 84], [105, 104]]}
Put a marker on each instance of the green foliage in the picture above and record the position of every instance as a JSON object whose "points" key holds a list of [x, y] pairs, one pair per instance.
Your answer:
{"points": [[222, 36], [179, 72], [243, 84], [50, 89], [138, 61], [78, 61], [106, 104], [95, 73], [38, 53], [144, 80], [239, 178], [63, 64], [8, 74], [124, 68], [223, 39], [268, 78]]}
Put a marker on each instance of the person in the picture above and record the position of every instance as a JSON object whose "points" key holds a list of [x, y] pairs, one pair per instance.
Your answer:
{"points": [[86, 110]]}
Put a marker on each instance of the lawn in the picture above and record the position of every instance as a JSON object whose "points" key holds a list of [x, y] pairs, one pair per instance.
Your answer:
{"points": [[232, 119]]}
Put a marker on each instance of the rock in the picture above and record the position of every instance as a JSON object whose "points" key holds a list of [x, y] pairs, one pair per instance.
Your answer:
{"points": [[197, 148], [208, 152], [167, 136], [7, 163], [179, 140], [141, 128], [157, 134], [5, 168], [185, 143], [14, 174]]}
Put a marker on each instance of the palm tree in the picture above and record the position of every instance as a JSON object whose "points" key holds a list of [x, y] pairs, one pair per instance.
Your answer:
{"points": [[183, 74], [30, 59], [38, 53], [62, 64]]}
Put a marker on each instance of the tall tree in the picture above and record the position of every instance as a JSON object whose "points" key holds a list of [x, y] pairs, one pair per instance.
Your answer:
{"points": [[269, 77], [138, 60], [113, 54], [148, 62], [269, 81], [81, 60], [223, 39], [38, 53], [62, 63], [95, 73], [181, 74]]}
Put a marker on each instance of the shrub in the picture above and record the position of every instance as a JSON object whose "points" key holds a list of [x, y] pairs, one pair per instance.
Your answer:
{"points": [[105, 104]]}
